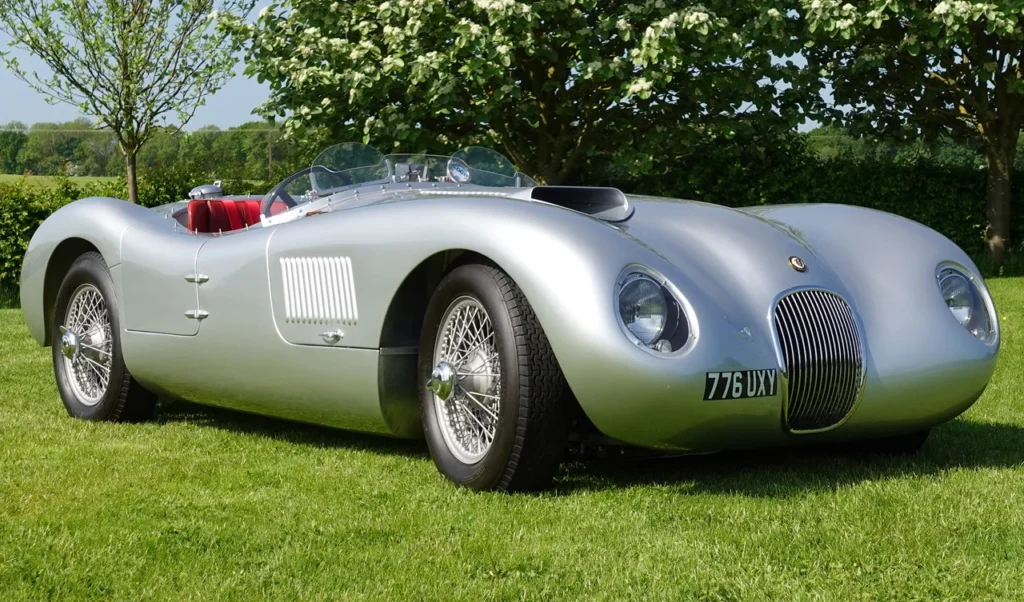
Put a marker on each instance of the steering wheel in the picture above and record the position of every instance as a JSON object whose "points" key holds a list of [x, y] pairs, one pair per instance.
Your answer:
{"points": [[280, 192]]}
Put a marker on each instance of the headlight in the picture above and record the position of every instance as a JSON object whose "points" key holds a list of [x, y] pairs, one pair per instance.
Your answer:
{"points": [[643, 307], [649, 312], [965, 301]]}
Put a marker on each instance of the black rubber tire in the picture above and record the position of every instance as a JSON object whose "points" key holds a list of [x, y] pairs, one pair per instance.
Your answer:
{"points": [[124, 400], [533, 423], [900, 445]]}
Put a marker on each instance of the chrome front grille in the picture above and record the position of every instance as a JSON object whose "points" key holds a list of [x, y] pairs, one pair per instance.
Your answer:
{"points": [[823, 358]]}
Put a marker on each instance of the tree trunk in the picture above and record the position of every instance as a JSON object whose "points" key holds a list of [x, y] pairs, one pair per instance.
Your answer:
{"points": [[1000, 157], [133, 186]]}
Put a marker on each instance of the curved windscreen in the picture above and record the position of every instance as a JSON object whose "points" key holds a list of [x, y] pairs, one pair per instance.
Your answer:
{"points": [[487, 167], [351, 164], [345, 165]]}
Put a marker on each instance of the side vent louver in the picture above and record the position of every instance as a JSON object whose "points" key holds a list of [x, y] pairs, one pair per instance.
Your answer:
{"points": [[319, 290]]}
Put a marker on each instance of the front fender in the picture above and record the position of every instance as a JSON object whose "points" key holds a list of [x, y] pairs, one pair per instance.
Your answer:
{"points": [[97, 221], [920, 366]]}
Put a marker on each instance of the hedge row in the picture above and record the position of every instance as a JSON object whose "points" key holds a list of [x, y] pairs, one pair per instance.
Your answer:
{"points": [[22, 209], [948, 199]]}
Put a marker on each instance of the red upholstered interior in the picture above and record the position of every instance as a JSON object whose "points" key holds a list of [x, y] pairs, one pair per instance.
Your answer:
{"points": [[209, 215]]}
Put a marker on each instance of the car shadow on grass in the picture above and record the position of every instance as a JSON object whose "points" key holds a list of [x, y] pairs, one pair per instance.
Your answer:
{"points": [[298, 433], [961, 444], [784, 472]]}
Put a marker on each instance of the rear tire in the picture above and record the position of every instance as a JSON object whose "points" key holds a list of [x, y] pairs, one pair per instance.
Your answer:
{"points": [[505, 431], [93, 381]]}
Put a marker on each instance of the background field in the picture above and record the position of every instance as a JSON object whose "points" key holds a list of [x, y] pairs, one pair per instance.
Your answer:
{"points": [[205, 504], [48, 181]]}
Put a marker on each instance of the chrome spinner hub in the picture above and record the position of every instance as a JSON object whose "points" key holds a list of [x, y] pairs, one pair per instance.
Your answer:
{"points": [[68, 343], [442, 381]]}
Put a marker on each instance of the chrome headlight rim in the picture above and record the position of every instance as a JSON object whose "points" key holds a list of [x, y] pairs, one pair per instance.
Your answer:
{"points": [[980, 291], [684, 315]]}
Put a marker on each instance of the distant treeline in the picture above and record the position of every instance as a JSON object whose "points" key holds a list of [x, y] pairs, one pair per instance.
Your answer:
{"points": [[259, 151], [254, 150]]}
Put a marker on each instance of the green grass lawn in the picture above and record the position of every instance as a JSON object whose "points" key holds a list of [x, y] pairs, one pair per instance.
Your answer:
{"points": [[48, 181], [205, 504]]}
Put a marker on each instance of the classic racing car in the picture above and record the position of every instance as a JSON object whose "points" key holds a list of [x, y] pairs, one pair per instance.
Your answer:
{"points": [[453, 298]]}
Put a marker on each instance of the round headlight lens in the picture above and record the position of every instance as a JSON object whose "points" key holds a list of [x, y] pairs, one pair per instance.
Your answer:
{"points": [[965, 302], [643, 307], [957, 293]]}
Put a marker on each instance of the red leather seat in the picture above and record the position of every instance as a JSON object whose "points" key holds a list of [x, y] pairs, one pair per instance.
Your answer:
{"points": [[222, 215]]}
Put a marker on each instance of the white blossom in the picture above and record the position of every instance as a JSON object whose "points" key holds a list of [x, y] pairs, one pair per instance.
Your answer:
{"points": [[640, 85]]}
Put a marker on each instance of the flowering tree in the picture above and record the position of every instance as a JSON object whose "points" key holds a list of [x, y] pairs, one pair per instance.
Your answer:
{"points": [[929, 67], [549, 82], [128, 63]]}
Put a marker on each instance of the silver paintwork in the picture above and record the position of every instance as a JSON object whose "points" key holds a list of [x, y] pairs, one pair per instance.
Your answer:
{"points": [[727, 267]]}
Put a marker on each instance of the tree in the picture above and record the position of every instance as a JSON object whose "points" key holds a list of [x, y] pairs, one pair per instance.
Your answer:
{"points": [[12, 138], [51, 148], [128, 63], [548, 82], [921, 67]]}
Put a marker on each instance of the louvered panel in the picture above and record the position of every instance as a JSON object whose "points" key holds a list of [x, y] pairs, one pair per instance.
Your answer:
{"points": [[319, 290], [824, 360]]}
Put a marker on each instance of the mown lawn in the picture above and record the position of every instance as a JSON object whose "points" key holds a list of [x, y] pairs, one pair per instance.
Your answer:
{"points": [[205, 504], [48, 181]]}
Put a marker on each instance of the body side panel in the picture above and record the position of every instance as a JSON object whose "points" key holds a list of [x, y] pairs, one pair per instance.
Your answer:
{"points": [[730, 266], [566, 264], [156, 265], [238, 359]]}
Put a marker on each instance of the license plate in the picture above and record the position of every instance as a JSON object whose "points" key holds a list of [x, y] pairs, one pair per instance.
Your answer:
{"points": [[743, 384]]}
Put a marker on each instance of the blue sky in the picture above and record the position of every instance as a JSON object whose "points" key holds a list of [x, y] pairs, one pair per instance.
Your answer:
{"points": [[230, 106]]}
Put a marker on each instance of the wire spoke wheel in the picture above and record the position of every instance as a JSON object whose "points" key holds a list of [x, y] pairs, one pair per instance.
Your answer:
{"points": [[87, 344], [492, 398], [469, 408]]}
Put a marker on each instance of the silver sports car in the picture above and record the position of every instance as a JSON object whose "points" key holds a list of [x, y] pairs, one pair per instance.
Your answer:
{"points": [[454, 298]]}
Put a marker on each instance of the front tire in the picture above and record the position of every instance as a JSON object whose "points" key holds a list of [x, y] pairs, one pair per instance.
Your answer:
{"points": [[93, 381], [492, 395]]}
